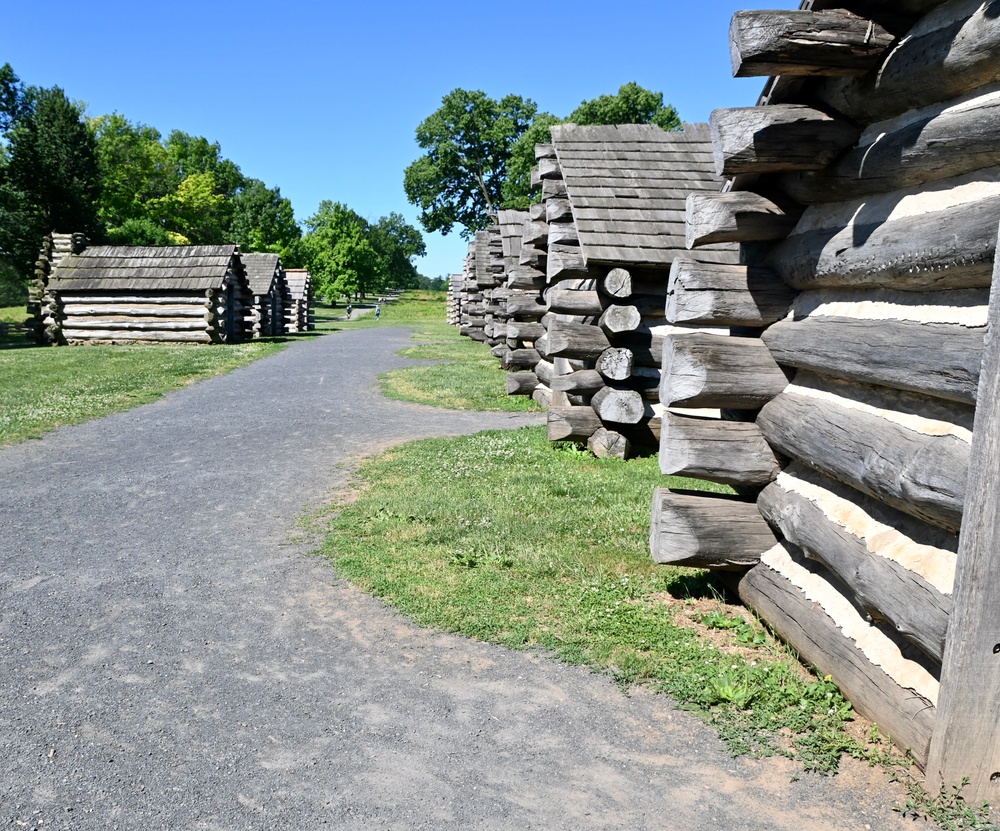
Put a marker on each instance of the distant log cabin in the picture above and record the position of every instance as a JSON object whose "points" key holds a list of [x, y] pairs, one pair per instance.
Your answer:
{"points": [[300, 304], [266, 279], [124, 294]]}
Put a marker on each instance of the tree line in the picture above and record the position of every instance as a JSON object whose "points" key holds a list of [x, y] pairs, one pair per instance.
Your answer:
{"points": [[480, 151], [124, 183]]}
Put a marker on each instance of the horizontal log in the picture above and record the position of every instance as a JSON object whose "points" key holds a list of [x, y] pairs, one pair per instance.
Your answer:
{"points": [[174, 311], [525, 277], [526, 305], [725, 295], [916, 472], [801, 605], [702, 370], [879, 554], [728, 452], [568, 301], [553, 189], [707, 531], [777, 138], [620, 406], [946, 54], [617, 283], [949, 248], [609, 444], [938, 359], [558, 210], [542, 396], [546, 372], [615, 363], [809, 43], [617, 320], [572, 423], [564, 262], [576, 340], [521, 383], [941, 142], [585, 381], [737, 216], [544, 151], [120, 335], [535, 232], [548, 168], [531, 255], [516, 359], [563, 233], [524, 330], [194, 324], [68, 298]]}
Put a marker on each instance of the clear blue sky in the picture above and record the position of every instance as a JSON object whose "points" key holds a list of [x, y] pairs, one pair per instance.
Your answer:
{"points": [[322, 98]]}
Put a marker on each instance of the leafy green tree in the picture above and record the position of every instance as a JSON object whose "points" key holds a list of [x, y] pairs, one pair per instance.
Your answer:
{"points": [[396, 243], [263, 220], [15, 99], [334, 253], [517, 193], [632, 104], [468, 140], [135, 172], [51, 180]]}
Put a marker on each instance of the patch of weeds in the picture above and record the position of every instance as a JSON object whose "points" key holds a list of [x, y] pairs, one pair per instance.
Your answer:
{"points": [[949, 809]]}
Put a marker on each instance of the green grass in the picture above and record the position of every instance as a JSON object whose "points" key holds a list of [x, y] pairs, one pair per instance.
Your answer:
{"points": [[14, 315], [507, 538], [45, 387], [412, 308]]}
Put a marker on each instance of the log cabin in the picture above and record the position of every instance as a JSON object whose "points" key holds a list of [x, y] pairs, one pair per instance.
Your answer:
{"points": [[126, 294], [299, 302], [268, 290], [863, 191]]}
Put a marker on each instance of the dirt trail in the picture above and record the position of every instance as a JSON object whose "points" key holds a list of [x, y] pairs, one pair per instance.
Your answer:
{"points": [[169, 659]]}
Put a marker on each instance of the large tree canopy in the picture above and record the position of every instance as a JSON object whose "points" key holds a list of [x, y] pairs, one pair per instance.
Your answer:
{"points": [[632, 104], [468, 140]]}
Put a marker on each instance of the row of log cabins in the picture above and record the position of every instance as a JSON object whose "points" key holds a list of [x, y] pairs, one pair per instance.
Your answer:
{"points": [[853, 401], [180, 294]]}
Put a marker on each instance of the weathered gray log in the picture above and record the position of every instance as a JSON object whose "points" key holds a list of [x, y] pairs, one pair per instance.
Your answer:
{"points": [[525, 277], [564, 262], [521, 359], [948, 53], [618, 319], [576, 340], [572, 423], [521, 383], [544, 151], [779, 137], [882, 586], [617, 283], [553, 189], [833, 42], [615, 363], [545, 372], [542, 345], [717, 532], [609, 444], [737, 216], [563, 233], [548, 168], [534, 232], [542, 396], [920, 474], [74, 334], [536, 212], [729, 452], [725, 295], [940, 249], [525, 305], [937, 359], [645, 380], [524, 330], [586, 381], [189, 324], [568, 301], [501, 351], [558, 210], [701, 370], [620, 406], [819, 638], [130, 299], [532, 255], [966, 740], [935, 144]]}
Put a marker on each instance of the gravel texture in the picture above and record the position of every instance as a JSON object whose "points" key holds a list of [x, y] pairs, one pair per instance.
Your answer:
{"points": [[169, 659]]}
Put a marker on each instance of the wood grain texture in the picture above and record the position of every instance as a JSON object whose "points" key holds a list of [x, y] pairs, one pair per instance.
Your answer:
{"points": [[572, 423], [809, 43], [729, 452], [721, 294], [737, 216]]}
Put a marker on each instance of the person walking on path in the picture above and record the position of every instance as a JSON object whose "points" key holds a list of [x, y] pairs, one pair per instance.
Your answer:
{"points": [[350, 309], [378, 311]]}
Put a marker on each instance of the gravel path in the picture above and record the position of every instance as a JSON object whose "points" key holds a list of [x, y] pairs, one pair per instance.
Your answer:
{"points": [[170, 660]]}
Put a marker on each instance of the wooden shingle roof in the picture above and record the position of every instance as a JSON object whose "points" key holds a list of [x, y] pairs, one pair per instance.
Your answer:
{"points": [[511, 226], [298, 279], [146, 268], [261, 270], [627, 185]]}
